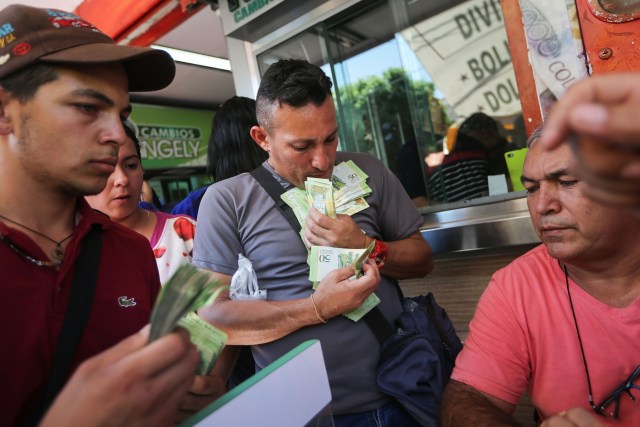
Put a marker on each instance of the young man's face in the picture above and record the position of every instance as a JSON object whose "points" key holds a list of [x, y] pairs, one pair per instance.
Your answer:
{"points": [[67, 136], [301, 142], [573, 227]]}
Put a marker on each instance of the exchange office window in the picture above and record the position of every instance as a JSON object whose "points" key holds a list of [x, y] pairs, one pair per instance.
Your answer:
{"points": [[426, 86]]}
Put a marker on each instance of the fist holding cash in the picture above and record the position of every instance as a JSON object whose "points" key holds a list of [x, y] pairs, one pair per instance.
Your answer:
{"points": [[339, 294], [324, 207], [333, 238]]}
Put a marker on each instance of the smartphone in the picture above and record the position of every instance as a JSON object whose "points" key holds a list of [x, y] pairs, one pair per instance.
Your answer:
{"points": [[515, 162]]}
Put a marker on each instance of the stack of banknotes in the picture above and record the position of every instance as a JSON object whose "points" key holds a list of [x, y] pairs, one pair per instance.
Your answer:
{"points": [[343, 194], [322, 260], [185, 292]]}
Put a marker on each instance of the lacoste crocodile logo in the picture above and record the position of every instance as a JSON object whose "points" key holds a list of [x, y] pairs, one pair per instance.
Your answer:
{"points": [[126, 302]]}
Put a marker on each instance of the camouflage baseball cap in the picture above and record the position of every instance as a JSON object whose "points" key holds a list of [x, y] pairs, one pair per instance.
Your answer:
{"points": [[29, 35]]}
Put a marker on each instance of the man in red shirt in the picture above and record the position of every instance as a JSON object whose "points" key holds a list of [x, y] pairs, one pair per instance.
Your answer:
{"points": [[64, 92]]}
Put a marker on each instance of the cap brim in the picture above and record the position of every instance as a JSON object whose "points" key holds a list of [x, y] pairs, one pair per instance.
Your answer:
{"points": [[147, 69]]}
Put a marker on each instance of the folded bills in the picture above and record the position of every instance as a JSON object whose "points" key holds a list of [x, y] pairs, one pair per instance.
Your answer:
{"points": [[185, 292], [323, 260]]}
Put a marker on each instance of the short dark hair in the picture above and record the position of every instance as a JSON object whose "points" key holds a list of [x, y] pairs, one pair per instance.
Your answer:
{"points": [[25, 83], [293, 82], [478, 121], [231, 149], [130, 131]]}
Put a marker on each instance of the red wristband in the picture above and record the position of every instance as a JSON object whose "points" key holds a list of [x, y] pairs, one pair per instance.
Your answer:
{"points": [[379, 253]]}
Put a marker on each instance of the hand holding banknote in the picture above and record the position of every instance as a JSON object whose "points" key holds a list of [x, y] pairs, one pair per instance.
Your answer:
{"points": [[184, 293], [131, 383], [337, 294], [341, 232]]}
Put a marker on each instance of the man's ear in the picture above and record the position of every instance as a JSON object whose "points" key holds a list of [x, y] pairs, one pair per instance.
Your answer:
{"points": [[260, 135], [5, 124]]}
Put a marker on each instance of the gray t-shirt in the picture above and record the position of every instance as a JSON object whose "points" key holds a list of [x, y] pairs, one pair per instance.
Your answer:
{"points": [[238, 216]]}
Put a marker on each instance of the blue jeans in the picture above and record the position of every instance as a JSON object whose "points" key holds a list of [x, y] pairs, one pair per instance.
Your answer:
{"points": [[391, 414]]}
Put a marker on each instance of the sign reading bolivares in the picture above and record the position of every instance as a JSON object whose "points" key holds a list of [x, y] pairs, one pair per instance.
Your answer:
{"points": [[172, 137], [466, 53]]}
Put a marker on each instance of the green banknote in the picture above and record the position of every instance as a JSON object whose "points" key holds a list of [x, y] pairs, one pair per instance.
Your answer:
{"points": [[357, 266], [208, 339], [349, 183], [320, 196], [359, 312], [352, 207], [343, 194], [347, 173], [185, 292], [322, 260], [297, 199]]}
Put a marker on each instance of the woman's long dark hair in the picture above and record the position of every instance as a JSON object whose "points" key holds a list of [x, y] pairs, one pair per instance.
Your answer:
{"points": [[232, 151]]}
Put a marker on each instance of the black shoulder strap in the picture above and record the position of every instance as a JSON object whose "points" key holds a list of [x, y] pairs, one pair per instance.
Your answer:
{"points": [[273, 187], [431, 310], [379, 324], [374, 318], [75, 320]]}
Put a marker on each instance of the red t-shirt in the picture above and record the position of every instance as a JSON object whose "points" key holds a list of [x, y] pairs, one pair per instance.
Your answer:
{"points": [[523, 337], [34, 299]]}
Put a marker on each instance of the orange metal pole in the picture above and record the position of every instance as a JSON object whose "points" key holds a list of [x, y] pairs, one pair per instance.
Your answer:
{"points": [[521, 66]]}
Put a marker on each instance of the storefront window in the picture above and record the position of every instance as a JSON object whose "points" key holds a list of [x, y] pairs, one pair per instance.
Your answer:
{"points": [[428, 88]]}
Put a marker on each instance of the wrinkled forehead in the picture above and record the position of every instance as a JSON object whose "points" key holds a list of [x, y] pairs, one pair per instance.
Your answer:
{"points": [[540, 162]]}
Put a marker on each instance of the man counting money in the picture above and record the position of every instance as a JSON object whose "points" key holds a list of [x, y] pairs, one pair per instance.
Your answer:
{"points": [[299, 130], [64, 92]]}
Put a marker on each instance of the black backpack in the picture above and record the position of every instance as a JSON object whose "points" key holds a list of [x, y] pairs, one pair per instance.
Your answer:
{"points": [[417, 359]]}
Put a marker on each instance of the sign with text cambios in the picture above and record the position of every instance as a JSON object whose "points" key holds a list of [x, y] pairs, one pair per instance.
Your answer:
{"points": [[172, 137], [293, 391]]}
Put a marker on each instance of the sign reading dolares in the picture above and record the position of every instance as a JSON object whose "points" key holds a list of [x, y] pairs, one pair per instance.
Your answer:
{"points": [[172, 137]]}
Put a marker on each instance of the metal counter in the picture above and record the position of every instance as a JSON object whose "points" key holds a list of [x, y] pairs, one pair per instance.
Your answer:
{"points": [[479, 224]]}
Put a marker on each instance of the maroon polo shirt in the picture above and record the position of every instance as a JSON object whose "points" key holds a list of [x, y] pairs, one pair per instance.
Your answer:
{"points": [[33, 302]]}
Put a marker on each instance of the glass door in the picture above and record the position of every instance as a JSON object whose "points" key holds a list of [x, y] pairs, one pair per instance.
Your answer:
{"points": [[425, 86]]}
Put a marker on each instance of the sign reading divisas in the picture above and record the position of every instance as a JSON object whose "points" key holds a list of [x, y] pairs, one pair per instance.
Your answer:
{"points": [[466, 53]]}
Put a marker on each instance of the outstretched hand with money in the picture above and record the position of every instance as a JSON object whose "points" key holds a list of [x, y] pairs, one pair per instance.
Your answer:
{"points": [[337, 294], [130, 384], [341, 232]]}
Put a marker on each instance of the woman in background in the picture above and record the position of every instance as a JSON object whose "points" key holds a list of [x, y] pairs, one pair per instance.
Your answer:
{"points": [[170, 236], [231, 149]]}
